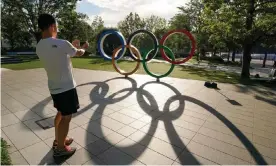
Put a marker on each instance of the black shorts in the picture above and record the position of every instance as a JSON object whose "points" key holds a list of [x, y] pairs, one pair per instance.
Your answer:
{"points": [[67, 102]]}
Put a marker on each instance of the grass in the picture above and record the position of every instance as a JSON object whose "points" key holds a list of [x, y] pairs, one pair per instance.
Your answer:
{"points": [[100, 64], [5, 158]]}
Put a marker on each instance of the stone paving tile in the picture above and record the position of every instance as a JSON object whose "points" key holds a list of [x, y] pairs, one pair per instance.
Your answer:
{"points": [[155, 144], [97, 129], [265, 151], [80, 120], [176, 127], [268, 160], [126, 131], [43, 111], [94, 161], [8, 120], [82, 137], [98, 147], [20, 135], [108, 111], [223, 147], [4, 111], [142, 153], [196, 115], [266, 128], [131, 113], [80, 157], [235, 121], [114, 138], [191, 119], [137, 124], [184, 124], [13, 105], [110, 123], [114, 107], [187, 158], [137, 108], [18, 159], [41, 133], [26, 115], [167, 136], [221, 136], [265, 134], [121, 118], [91, 114], [51, 122], [237, 111], [11, 147], [38, 154], [264, 141], [263, 123], [224, 129], [112, 155], [214, 155], [239, 116]]}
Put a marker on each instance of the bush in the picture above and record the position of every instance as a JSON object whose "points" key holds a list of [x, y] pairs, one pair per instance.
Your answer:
{"points": [[5, 158]]}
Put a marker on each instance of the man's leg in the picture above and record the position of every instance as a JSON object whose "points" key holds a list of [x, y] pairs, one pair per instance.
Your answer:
{"points": [[57, 121], [63, 128]]}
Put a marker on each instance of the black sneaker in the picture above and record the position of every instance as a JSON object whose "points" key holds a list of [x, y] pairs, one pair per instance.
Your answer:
{"points": [[66, 151]]}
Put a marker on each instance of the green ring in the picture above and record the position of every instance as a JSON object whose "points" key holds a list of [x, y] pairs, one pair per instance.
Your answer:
{"points": [[144, 56]]}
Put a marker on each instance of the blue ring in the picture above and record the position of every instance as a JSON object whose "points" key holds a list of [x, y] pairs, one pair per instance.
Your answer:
{"points": [[105, 34]]}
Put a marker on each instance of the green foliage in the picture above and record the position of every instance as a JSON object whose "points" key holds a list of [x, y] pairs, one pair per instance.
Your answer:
{"points": [[5, 158], [73, 25], [131, 23], [29, 10]]}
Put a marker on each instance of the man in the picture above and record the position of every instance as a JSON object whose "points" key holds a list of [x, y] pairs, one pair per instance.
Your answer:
{"points": [[55, 55]]}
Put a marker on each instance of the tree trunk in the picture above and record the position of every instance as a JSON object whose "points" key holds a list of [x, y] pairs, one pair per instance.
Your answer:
{"points": [[264, 61], [228, 57], [233, 55], [246, 61], [214, 53]]}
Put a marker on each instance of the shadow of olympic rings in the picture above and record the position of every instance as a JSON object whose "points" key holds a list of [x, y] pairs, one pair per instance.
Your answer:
{"points": [[98, 95]]}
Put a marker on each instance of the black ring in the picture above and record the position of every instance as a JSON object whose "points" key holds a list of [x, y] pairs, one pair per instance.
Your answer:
{"points": [[155, 42]]}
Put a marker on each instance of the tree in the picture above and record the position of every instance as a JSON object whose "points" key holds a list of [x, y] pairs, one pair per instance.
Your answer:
{"points": [[97, 27], [222, 34], [73, 25], [155, 23], [13, 30], [258, 23], [131, 23], [29, 11]]}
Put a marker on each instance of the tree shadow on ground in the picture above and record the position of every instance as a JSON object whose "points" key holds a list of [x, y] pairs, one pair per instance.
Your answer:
{"points": [[223, 77]]}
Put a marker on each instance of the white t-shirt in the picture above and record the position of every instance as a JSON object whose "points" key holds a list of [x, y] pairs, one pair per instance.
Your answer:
{"points": [[55, 55]]}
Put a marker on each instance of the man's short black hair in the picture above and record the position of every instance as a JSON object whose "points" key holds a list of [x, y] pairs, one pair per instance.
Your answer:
{"points": [[45, 21]]}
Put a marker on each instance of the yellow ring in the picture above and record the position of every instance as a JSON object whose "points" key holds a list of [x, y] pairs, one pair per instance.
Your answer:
{"points": [[114, 62]]}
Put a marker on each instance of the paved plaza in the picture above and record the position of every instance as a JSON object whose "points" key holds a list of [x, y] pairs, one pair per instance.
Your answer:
{"points": [[138, 121]]}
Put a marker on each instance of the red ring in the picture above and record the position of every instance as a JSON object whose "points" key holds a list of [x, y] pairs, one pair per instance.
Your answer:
{"points": [[164, 38]]}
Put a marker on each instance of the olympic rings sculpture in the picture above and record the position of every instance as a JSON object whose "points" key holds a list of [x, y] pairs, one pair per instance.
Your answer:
{"points": [[135, 54]]}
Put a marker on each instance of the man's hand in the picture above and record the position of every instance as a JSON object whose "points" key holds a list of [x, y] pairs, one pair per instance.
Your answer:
{"points": [[85, 45], [76, 43]]}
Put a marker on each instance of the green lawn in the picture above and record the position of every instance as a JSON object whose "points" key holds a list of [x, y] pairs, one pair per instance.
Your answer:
{"points": [[5, 158], [100, 64]]}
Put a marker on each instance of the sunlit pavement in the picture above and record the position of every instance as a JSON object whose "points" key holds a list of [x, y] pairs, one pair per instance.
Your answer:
{"points": [[137, 120]]}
